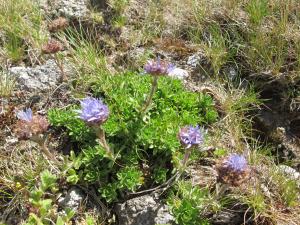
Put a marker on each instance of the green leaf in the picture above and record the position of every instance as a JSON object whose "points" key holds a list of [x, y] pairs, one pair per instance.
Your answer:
{"points": [[48, 180]]}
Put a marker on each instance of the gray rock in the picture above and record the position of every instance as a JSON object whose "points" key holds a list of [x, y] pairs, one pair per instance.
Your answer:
{"points": [[72, 200], [196, 59], [70, 8], [39, 78], [179, 73], [144, 210], [227, 218], [290, 172]]}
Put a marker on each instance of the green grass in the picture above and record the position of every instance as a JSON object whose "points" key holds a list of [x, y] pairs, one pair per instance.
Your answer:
{"points": [[21, 22], [7, 84]]}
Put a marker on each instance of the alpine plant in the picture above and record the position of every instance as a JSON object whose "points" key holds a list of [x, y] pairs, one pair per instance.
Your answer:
{"points": [[94, 113], [33, 127], [156, 68], [233, 170], [189, 137]]}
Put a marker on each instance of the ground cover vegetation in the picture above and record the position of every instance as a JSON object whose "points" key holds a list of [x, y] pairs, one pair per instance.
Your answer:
{"points": [[196, 102]]}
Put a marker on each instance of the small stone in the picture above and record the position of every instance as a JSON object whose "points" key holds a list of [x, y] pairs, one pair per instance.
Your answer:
{"points": [[290, 172], [72, 200], [179, 73], [71, 8], [196, 59], [227, 218], [39, 78], [144, 210]]}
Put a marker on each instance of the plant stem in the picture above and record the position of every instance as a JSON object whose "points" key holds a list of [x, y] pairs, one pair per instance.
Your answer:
{"points": [[150, 96], [220, 189], [185, 159], [101, 135], [60, 66], [44, 148]]}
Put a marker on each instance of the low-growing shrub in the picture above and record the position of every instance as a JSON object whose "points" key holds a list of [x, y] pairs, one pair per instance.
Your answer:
{"points": [[145, 145], [187, 202]]}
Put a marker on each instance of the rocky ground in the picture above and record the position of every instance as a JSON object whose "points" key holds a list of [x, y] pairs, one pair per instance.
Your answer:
{"points": [[273, 117]]}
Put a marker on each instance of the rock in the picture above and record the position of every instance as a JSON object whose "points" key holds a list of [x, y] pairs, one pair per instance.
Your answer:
{"points": [[290, 173], [228, 218], [39, 78], [73, 9], [178, 73], [11, 140], [144, 210], [196, 60], [72, 199]]}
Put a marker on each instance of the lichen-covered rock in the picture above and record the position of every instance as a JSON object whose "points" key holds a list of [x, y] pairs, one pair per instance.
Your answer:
{"points": [[72, 199], [73, 9], [39, 78], [144, 210], [291, 173], [179, 73]]}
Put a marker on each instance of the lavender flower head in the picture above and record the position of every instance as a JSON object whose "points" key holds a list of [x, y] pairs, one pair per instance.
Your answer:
{"points": [[233, 170], [93, 111], [158, 67], [236, 162], [190, 136], [25, 115]]}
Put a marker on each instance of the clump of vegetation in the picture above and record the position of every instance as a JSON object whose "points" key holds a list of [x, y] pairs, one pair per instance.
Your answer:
{"points": [[188, 203], [42, 209], [22, 31], [209, 151], [135, 139]]}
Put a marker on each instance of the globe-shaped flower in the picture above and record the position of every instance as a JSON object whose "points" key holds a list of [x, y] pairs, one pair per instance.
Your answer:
{"points": [[58, 24], [158, 67], [190, 136], [30, 126], [93, 111], [52, 47], [233, 170], [25, 115]]}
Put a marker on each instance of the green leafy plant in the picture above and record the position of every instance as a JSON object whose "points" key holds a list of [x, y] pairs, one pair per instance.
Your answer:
{"points": [[187, 202], [130, 178], [43, 205], [149, 139]]}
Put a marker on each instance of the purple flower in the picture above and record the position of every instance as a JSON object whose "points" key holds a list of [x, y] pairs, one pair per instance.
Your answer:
{"points": [[158, 67], [190, 136], [236, 162], [93, 111], [25, 115], [233, 170], [30, 126]]}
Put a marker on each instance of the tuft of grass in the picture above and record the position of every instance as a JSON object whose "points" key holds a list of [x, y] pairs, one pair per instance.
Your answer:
{"points": [[7, 84], [257, 10], [234, 103], [88, 59], [23, 32]]}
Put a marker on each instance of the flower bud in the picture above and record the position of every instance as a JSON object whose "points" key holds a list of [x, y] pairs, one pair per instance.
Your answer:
{"points": [[158, 67], [58, 24], [52, 47]]}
